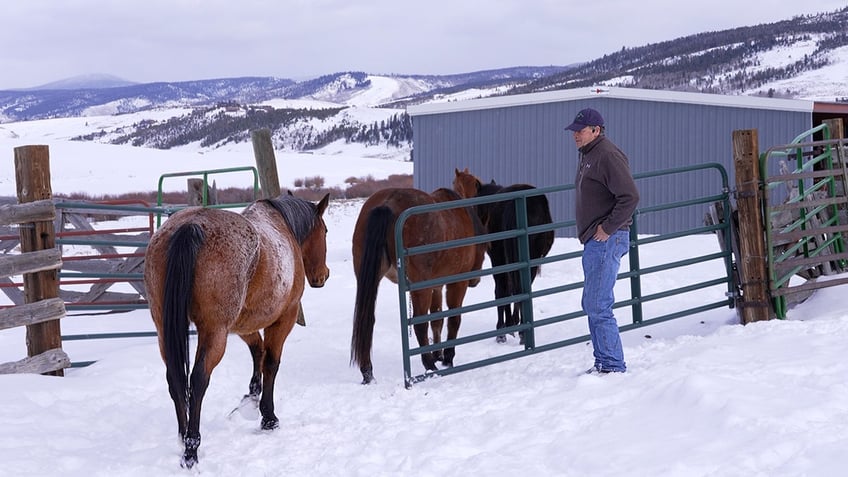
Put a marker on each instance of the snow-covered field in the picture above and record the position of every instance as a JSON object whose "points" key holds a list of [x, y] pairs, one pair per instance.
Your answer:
{"points": [[108, 169]]}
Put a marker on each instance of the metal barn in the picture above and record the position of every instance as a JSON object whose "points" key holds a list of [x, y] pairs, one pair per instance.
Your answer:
{"points": [[521, 139]]}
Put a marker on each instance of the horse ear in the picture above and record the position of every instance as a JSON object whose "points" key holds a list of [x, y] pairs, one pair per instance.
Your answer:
{"points": [[456, 171], [290, 192], [493, 182], [322, 205]]}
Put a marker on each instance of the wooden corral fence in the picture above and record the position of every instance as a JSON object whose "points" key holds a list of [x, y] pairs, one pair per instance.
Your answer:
{"points": [[59, 280], [41, 308]]}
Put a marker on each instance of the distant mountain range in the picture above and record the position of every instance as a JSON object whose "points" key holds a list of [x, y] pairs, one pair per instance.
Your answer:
{"points": [[93, 98], [92, 81], [776, 59]]}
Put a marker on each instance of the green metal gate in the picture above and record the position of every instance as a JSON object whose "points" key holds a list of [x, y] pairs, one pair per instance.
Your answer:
{"points": [[108, 265], [805, 206], [532, 324]]}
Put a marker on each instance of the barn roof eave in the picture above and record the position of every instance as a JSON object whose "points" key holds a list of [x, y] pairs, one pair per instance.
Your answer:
{"points": [[754, 102]]}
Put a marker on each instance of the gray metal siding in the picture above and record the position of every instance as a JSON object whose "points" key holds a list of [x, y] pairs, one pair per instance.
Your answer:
{"points": [[528, 144]]}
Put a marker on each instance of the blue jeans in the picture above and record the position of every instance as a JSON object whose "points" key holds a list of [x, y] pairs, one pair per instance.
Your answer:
{"points": [[601, 261]]}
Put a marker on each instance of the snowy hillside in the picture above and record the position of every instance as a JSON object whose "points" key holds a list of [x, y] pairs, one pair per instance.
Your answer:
{"points": [[379, 90], [96, 169], [828, 83]]}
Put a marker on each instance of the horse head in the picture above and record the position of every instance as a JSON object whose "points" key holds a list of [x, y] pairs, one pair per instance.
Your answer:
{"points": [[314, 247], [466, 184]]}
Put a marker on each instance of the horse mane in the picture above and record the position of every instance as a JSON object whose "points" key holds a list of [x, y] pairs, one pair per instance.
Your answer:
{"points": [[489, 189], [298, 214]]}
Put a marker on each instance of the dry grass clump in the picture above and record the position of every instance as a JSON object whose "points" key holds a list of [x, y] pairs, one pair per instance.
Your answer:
{"points": [[309, 188]]}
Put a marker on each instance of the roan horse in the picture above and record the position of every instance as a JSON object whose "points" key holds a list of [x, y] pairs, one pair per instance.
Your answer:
{"points": [[374, 256], [498, 217], [231, 273]]}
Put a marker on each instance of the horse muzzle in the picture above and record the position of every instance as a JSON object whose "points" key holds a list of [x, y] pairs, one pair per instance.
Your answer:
{"points": [[319, 280]]}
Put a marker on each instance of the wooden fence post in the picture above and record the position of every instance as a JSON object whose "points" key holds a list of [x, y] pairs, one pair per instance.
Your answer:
{"points": [[266, 163], [755, 305], [269, 180], [835, 125], [32, 176]]}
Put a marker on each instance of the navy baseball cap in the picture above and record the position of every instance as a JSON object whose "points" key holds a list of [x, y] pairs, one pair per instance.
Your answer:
{"points": [[586, 117]]}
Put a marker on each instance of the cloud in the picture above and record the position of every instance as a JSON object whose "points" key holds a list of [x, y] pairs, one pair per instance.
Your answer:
{"points": [[174, 40]]}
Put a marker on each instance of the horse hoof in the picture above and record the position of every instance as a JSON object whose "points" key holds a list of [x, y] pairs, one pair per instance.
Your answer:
{"points": [[500, 339], [367, 376], [429, 362], [188, 460], [248, 408], [270, 424]]}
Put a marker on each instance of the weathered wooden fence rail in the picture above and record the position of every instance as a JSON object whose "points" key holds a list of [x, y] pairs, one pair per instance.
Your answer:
{"points": [[88, 261], [38, 262]]}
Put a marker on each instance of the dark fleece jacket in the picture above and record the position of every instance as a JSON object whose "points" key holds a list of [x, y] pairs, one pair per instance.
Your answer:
{"points": [[605, 191]]}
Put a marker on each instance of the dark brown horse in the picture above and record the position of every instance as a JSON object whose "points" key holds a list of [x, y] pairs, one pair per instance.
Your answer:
{"points": [[375, 257], [499, 217], [231, 273]]}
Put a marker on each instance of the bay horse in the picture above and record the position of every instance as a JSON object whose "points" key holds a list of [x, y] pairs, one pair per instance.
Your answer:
{"points": [[231, 273], [375, 257], [499, 217]]}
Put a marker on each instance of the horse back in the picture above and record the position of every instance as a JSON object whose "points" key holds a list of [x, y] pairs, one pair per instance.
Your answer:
{"points": [[501, 216], [236, 257], [419, 229], [459, 223], [277, 279]]}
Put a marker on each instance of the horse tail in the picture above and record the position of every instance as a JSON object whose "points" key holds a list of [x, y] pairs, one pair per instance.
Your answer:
{"points": [[538, 213], [542, 215], [181, 257], [368, 279], [510, 246]]}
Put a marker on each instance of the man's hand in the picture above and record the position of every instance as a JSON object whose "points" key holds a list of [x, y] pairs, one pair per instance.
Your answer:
{"points": [[600, 235]]}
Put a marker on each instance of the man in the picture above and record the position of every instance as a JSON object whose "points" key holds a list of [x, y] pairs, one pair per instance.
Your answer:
{"points": [[606, 198]]}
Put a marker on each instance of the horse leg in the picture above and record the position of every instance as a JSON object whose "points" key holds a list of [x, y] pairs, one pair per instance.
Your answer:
{"points": [[254, 344], [455, 295], [516, 318], [175, 389], [249, 405], [436, 325], [516, 308], [513, 310], [421, 304], [503, 310], [275, 336], [210, 350]]}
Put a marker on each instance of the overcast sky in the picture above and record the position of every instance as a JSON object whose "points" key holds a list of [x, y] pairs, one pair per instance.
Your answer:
{"points": [[175, 40]]}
